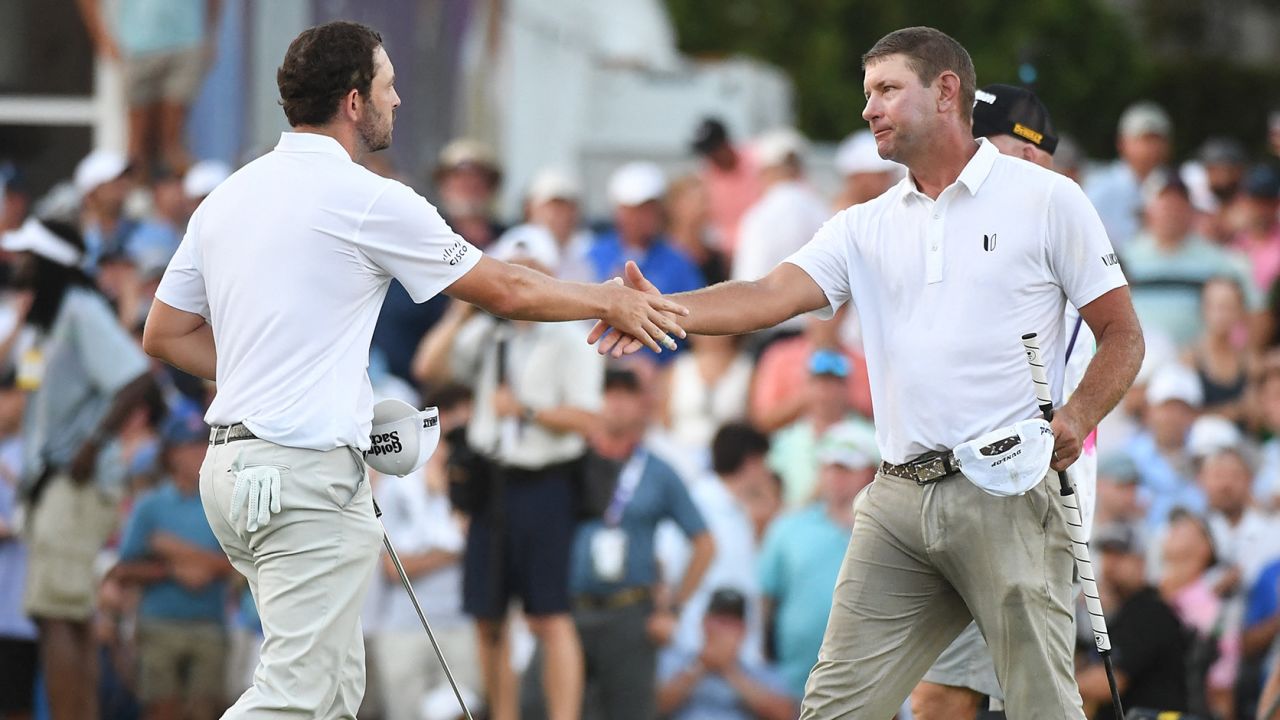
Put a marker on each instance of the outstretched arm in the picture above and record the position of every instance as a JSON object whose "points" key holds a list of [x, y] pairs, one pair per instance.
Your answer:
{"points": [[518, 293], [729, 308]]}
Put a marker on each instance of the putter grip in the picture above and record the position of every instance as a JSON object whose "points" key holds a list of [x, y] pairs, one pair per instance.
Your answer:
{"points": [[1031, 343]]}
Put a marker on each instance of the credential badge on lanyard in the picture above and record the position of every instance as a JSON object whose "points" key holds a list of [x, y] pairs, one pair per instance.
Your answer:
{"points": [[609, 543]]}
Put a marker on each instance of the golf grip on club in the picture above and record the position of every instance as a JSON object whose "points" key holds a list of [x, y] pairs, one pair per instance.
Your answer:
{"points": [[1075, 526], [413, 597]]}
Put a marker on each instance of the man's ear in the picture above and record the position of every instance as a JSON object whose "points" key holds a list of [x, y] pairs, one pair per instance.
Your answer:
{"points": [[1028, 152], [948, 84], [351, 105]]}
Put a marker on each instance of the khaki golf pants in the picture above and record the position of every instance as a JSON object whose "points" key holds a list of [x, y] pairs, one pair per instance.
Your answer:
{"points": [[925, 559], [309, 568]]}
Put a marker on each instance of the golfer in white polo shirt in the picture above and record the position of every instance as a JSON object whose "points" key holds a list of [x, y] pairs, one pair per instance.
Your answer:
{"points": [[947, 270], [273, 293]]}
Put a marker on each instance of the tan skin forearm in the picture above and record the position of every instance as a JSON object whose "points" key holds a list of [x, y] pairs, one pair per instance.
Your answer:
{"points": [[181, 339], [431, 360], [1113, 368], [704, 551], [762, 702], [175, 551], [1255, 640], [744, 306], [141, 572], [675, 692]]}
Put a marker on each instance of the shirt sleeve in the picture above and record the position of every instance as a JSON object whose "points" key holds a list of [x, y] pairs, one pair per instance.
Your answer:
{"points": [[1081, 258], [825, 258], [405, 236], [182, 285], [138, 530], [108, 354]]}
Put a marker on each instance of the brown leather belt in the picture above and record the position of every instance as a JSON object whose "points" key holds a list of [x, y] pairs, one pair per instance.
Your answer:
{"points": [[928, 468], [223, 434], [620, 599]]}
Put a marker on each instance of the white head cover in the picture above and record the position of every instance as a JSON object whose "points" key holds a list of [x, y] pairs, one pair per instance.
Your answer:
{"points": [[1010, 460], [402, 438]]}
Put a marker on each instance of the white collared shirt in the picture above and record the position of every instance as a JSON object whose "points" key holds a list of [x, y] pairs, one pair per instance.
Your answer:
{"points": [[289, 261], [945, 290]]}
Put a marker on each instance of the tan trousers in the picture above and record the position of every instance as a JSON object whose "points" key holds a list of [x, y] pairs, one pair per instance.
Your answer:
{"points": [[308, 569], [923, 561]]}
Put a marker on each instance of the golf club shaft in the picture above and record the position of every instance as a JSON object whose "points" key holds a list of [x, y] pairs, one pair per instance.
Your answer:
{"points": [[413, 597], [1075, 527]]}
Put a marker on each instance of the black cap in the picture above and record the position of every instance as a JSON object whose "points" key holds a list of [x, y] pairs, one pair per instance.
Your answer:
{"points": [[727, 601], [1009, 110], [1222, 151], [711, 134]]}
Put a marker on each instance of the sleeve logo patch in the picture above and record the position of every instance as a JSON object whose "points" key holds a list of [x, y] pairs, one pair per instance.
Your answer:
{"points": [[1110, 259]]}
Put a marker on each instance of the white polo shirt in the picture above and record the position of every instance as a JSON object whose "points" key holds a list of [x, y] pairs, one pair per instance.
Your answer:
{"points": [[945, 290], [289, 261]]}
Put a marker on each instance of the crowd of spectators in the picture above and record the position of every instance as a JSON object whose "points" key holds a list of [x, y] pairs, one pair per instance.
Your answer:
{"points": [[658, 536]]}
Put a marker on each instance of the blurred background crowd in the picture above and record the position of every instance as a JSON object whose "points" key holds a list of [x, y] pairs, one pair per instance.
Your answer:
{"points": [[573, 140]]}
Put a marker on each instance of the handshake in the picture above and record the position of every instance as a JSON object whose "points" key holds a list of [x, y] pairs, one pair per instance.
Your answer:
{"points": [[637, 317]]}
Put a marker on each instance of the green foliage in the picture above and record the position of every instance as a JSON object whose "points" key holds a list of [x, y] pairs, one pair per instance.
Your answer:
{"points": [[1089, 62]]}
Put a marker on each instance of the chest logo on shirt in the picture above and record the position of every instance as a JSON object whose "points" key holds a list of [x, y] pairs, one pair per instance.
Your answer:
{"points": [[989, 242]]}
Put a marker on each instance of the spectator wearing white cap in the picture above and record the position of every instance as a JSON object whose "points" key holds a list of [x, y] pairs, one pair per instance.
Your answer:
{"points": [[467, 179], [103, 180], [1165, 471], [1246, 537], [804, 550], [84, 376], [730, 177], [786, 216], [865, 174], [1143, 142], [636, 191], [553, 212]]}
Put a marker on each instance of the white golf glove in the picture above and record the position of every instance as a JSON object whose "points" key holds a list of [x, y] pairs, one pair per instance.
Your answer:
{"points": [[258, 486]]}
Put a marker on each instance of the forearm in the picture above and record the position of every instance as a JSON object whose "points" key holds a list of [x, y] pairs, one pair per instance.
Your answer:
{"points": [[1255, 640], [676, 691], [704, 550], [763, 703], [1094, 686], [177, 551], [431, 359], [736, 307], [125, 400], [91, 13], [192, 353], [1108, 377], [141, 572], [1270, 694]]}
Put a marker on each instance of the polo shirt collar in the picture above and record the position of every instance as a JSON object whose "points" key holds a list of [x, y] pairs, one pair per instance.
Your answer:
{"points": [[975, 172], [306, 142]]}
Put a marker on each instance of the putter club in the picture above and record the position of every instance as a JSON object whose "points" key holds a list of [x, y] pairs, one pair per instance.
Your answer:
{"points": [[1075, 527], [413, 597]]}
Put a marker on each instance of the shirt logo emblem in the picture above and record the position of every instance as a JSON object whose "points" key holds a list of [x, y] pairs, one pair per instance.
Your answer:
{"points": [[989, 242], [1110, 259]]}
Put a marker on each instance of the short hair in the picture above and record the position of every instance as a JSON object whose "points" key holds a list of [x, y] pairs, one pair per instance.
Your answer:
{"points": [[622, 380], [323, 64], [734, 444], [930, 53]]}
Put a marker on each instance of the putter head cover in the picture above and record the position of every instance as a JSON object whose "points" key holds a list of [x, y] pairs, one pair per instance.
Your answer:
{"points": [[402, 438], [1010, 460]]}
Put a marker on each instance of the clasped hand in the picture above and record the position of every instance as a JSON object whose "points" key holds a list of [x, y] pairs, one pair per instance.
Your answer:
{"points": [[636, 321]]}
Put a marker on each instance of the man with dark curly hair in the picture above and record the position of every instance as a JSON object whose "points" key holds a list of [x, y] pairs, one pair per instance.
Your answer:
{"points": [[274, 292]]}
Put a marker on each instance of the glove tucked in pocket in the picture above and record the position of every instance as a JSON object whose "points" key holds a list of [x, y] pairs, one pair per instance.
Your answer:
{"points": [[258, 487]]}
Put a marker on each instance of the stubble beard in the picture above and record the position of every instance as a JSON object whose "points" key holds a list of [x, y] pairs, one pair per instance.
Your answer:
{"points": [[375, 130]]}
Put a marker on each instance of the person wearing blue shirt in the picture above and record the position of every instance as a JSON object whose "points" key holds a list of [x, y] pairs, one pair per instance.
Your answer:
{"points": [[804, 551], [1262, 617], [713, 682], [169, 549], [613, 567], [636, 191]]}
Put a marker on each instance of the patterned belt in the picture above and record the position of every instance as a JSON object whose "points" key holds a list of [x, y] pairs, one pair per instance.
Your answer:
{"points": [[223, 434], [930, 467], [620, 599]]}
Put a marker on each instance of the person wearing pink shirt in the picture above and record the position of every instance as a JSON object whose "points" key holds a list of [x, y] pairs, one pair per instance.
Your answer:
{"points": [[1260, 238], [731, 177]]}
